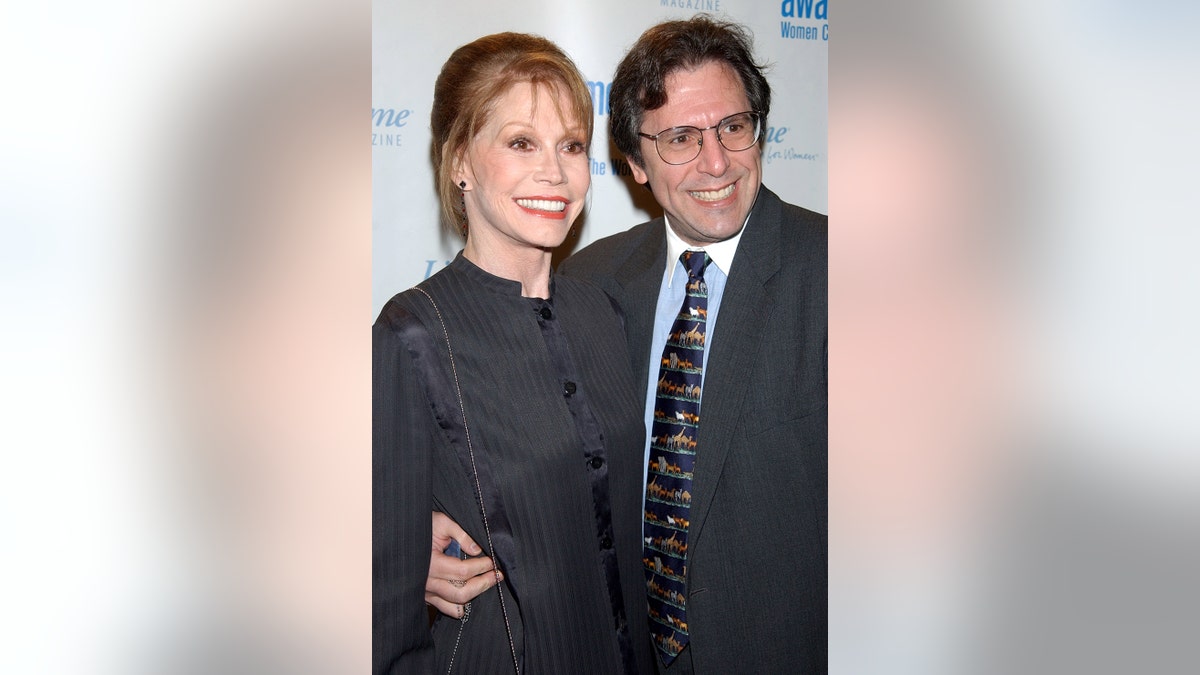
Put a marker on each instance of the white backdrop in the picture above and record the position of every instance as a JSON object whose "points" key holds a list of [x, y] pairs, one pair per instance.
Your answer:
{"points": [[412, 40]]}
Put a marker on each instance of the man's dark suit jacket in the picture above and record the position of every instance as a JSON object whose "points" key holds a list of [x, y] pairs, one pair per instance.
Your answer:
{"points": [[758, 538]]}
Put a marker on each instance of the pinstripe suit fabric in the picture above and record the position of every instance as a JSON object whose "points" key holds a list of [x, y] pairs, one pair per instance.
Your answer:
{"points": [[556, 459]]}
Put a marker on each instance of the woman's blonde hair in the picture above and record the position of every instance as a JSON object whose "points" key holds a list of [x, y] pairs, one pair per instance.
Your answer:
{"points": [[474, 77]]}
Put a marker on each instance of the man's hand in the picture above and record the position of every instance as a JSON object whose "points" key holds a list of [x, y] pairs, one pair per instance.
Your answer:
{"points": [[453, 583]]}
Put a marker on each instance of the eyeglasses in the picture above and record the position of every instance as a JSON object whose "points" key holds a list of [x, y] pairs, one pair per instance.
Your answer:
{"points": [[680, 145]]}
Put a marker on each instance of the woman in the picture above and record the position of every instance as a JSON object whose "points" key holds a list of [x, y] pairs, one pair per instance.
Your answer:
{"points": [[503, 397]]}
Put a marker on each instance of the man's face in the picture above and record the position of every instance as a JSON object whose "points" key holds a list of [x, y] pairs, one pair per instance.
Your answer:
{"points": [[707, 199]]}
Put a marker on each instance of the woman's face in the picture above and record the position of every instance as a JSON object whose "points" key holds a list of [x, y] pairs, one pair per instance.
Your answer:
{"points": [[526, 171]]}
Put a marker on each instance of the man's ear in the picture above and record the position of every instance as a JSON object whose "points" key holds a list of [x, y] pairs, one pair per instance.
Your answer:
{"points": [[639, 173]]}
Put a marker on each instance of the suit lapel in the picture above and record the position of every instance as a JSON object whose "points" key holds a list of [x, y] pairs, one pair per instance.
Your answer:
{"points": [[745, 308], [639, 278]]}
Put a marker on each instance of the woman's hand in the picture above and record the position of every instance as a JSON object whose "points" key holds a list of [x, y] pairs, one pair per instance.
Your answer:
{"points": [[452, 582]]}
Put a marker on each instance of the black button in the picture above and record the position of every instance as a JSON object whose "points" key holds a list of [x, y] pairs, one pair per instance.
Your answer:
{"points": [[546, 314], [569, 388], [606, 542], [596, 462]]}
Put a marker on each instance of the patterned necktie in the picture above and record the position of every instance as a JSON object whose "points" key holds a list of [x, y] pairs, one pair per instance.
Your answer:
{"points": [[672, 458]]}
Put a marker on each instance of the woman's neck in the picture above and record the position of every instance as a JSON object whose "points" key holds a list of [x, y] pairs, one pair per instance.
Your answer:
{"points": [[530, 266]]}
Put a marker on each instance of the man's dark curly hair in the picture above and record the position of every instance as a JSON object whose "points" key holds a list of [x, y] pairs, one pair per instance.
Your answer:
{"points": [[640, 82]]}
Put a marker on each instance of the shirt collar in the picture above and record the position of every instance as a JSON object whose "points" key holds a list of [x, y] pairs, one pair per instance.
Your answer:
{"points": [[496, 284], [721, 253]]}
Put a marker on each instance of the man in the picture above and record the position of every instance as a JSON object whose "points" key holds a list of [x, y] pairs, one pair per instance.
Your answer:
{"points": [[739, 583]]}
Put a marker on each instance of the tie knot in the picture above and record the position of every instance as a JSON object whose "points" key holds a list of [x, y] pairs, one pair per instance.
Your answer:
{"points": [[694, 262]]}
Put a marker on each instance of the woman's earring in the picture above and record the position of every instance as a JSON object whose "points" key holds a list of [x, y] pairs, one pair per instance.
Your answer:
{"points": [[462, 184]]}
